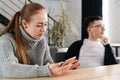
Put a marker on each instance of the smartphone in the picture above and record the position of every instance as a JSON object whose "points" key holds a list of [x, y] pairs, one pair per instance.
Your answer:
{"points": [[68, 61]]}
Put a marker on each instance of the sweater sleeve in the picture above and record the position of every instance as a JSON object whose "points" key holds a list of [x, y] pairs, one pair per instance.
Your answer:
{"points": [[74, 49], [47, 56], [109, 56], [11, 68]]}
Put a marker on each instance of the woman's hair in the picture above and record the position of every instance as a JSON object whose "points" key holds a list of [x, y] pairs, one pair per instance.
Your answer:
{"points": [[13, 27]]}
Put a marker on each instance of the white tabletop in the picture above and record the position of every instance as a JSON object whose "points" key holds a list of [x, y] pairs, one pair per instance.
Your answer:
{"points": [[111, 72]]}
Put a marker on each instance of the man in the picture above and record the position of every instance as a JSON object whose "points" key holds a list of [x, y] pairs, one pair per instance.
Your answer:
{"points": [[94, 50]]}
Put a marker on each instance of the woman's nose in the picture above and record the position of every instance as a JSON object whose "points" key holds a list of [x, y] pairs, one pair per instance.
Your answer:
{"points": [[43, 29]]}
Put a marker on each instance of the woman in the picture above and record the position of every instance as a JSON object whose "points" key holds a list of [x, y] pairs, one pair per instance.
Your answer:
{"points": [[23, 49]]}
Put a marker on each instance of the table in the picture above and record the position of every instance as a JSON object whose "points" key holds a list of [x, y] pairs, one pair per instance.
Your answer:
{"points": [[116, 45], [111, 72]]}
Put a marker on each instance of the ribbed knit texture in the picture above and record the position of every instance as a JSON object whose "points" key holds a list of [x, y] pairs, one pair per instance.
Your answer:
{"points": [[38, 53]]}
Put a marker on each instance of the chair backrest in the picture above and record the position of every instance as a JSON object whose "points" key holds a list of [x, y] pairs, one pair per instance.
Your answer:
{"points": [[60, 56], [53, 52]]}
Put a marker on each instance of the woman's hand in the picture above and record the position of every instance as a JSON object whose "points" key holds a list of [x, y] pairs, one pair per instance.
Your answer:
{"points": [[75, 64], [56, 68]]}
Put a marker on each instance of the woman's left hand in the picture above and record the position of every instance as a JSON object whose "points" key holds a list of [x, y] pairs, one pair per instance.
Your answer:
{"points": [[75, 64]]}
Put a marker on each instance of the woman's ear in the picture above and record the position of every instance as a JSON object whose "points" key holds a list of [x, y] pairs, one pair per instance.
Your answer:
{"points": [[24, 23]]}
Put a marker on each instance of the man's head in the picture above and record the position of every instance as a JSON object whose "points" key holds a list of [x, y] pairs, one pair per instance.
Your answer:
{"points": [[94, 26]]}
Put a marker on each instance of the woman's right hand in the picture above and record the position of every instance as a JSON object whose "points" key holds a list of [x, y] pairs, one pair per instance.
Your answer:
{"points": [[56, 68]]}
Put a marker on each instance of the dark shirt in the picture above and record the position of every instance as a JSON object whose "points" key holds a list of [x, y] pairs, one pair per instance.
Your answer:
{"points": [[74, 50]]}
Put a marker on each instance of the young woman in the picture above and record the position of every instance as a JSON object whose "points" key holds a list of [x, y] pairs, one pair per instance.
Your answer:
{"points": [[23, 50]]}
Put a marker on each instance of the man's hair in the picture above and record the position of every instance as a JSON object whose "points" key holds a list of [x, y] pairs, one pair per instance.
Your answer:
{"points": [[89, 20]]}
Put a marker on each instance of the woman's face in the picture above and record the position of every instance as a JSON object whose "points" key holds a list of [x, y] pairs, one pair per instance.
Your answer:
{"points": [[36, 27]]}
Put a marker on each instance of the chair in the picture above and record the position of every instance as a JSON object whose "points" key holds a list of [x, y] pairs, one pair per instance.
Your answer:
{"points": [[60, 56], [53, 52]]}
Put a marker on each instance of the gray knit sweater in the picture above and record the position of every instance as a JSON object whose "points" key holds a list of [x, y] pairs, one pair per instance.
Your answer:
{"points": [[38, 54]]}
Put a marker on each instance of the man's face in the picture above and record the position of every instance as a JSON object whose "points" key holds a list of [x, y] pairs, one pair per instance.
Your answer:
{"points": [[96, 29]]}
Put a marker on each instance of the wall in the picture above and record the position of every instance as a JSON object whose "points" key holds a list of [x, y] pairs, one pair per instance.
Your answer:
{"points": [[73, 10], [74, 13], [113, 20], [111, 15]]}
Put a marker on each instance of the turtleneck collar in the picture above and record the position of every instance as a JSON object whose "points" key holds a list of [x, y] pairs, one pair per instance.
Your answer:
{"points": [[28, 39]]}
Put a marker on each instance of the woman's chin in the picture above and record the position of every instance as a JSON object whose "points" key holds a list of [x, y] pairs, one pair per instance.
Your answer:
{"points": [[38, 38]]}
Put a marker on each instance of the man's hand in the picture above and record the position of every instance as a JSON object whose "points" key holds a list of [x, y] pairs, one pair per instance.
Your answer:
{"points": [[105, 40]]}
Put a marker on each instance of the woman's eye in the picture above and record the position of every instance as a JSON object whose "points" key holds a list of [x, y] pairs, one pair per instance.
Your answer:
{"points": [[46, 24], [39, 25]]}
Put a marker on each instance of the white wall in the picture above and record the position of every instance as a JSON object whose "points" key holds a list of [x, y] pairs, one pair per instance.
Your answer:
{"points": [[73, 10], [111, 16], [74, 13]]}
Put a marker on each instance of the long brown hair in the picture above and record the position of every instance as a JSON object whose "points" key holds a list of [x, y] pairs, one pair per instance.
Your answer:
{"points": [[13, 27]]}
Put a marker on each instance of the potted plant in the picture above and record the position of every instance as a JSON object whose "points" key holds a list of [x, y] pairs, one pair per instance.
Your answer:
{"points": [[57, 33]]}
